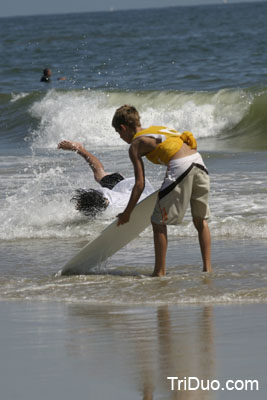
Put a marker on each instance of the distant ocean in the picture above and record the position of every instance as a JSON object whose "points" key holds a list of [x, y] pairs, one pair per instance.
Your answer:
{"points": [[202, 69]]}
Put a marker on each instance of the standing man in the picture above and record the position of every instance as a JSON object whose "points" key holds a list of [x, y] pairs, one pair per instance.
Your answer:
{"points": [[186, 181]]}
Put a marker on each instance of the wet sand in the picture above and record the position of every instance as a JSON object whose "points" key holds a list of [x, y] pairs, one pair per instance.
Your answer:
{"points": [[66, 351]]}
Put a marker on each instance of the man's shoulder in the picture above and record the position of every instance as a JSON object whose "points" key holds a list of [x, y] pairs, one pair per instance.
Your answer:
{"points": [[142, 145], [153, 129], [44, 79], [154, 132]]}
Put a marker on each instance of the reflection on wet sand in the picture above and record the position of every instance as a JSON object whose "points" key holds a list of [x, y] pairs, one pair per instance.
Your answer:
{"points": [[145, 346]]}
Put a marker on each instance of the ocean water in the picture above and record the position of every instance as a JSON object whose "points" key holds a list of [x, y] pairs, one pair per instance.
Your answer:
{"points": [[202, 69]]}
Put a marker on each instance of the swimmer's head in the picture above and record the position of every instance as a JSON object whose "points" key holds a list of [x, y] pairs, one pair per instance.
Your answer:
{"points": [[47, 72]]}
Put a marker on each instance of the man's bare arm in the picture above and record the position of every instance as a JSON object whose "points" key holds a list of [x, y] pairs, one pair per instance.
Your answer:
{"points": [[136, 151], [94, 163]]}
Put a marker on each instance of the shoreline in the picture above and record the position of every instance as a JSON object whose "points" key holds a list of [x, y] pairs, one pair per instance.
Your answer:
{"points": [[238, 277]]}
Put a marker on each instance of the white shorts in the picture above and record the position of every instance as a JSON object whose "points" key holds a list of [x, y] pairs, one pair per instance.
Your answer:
{"points": [[192, 187]]}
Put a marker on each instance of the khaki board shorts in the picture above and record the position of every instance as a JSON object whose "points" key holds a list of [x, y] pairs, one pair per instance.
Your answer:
{"points": [[191, 187]]}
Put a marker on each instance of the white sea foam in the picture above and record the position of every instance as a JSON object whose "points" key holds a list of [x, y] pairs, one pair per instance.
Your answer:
{"points": [[38, 204], [16, 97], [78, 116], [123, 290], [37, 196], [86, 115]]}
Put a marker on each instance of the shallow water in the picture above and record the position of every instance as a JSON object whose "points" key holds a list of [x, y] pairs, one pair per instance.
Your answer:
{"points": [[117, 352], [239, 274]]}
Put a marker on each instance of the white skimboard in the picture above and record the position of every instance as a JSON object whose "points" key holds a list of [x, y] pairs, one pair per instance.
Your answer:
{"points": [[112, 239]]}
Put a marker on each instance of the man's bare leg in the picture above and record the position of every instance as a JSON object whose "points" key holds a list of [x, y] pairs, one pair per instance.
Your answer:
{"points": [[160, 245], [204, 238]]}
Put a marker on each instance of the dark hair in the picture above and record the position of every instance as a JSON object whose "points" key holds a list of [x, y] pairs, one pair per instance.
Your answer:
{"points": [[90, 202]]}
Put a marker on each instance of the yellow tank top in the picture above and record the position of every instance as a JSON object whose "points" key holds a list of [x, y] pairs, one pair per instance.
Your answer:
{"points": [[171, 142]]}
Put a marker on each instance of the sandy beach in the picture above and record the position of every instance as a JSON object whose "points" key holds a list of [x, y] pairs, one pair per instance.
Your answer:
{"points": [[65, 351]]}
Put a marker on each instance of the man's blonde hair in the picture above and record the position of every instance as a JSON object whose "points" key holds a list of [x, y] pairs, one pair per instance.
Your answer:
{"points": [[126, 115]]}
